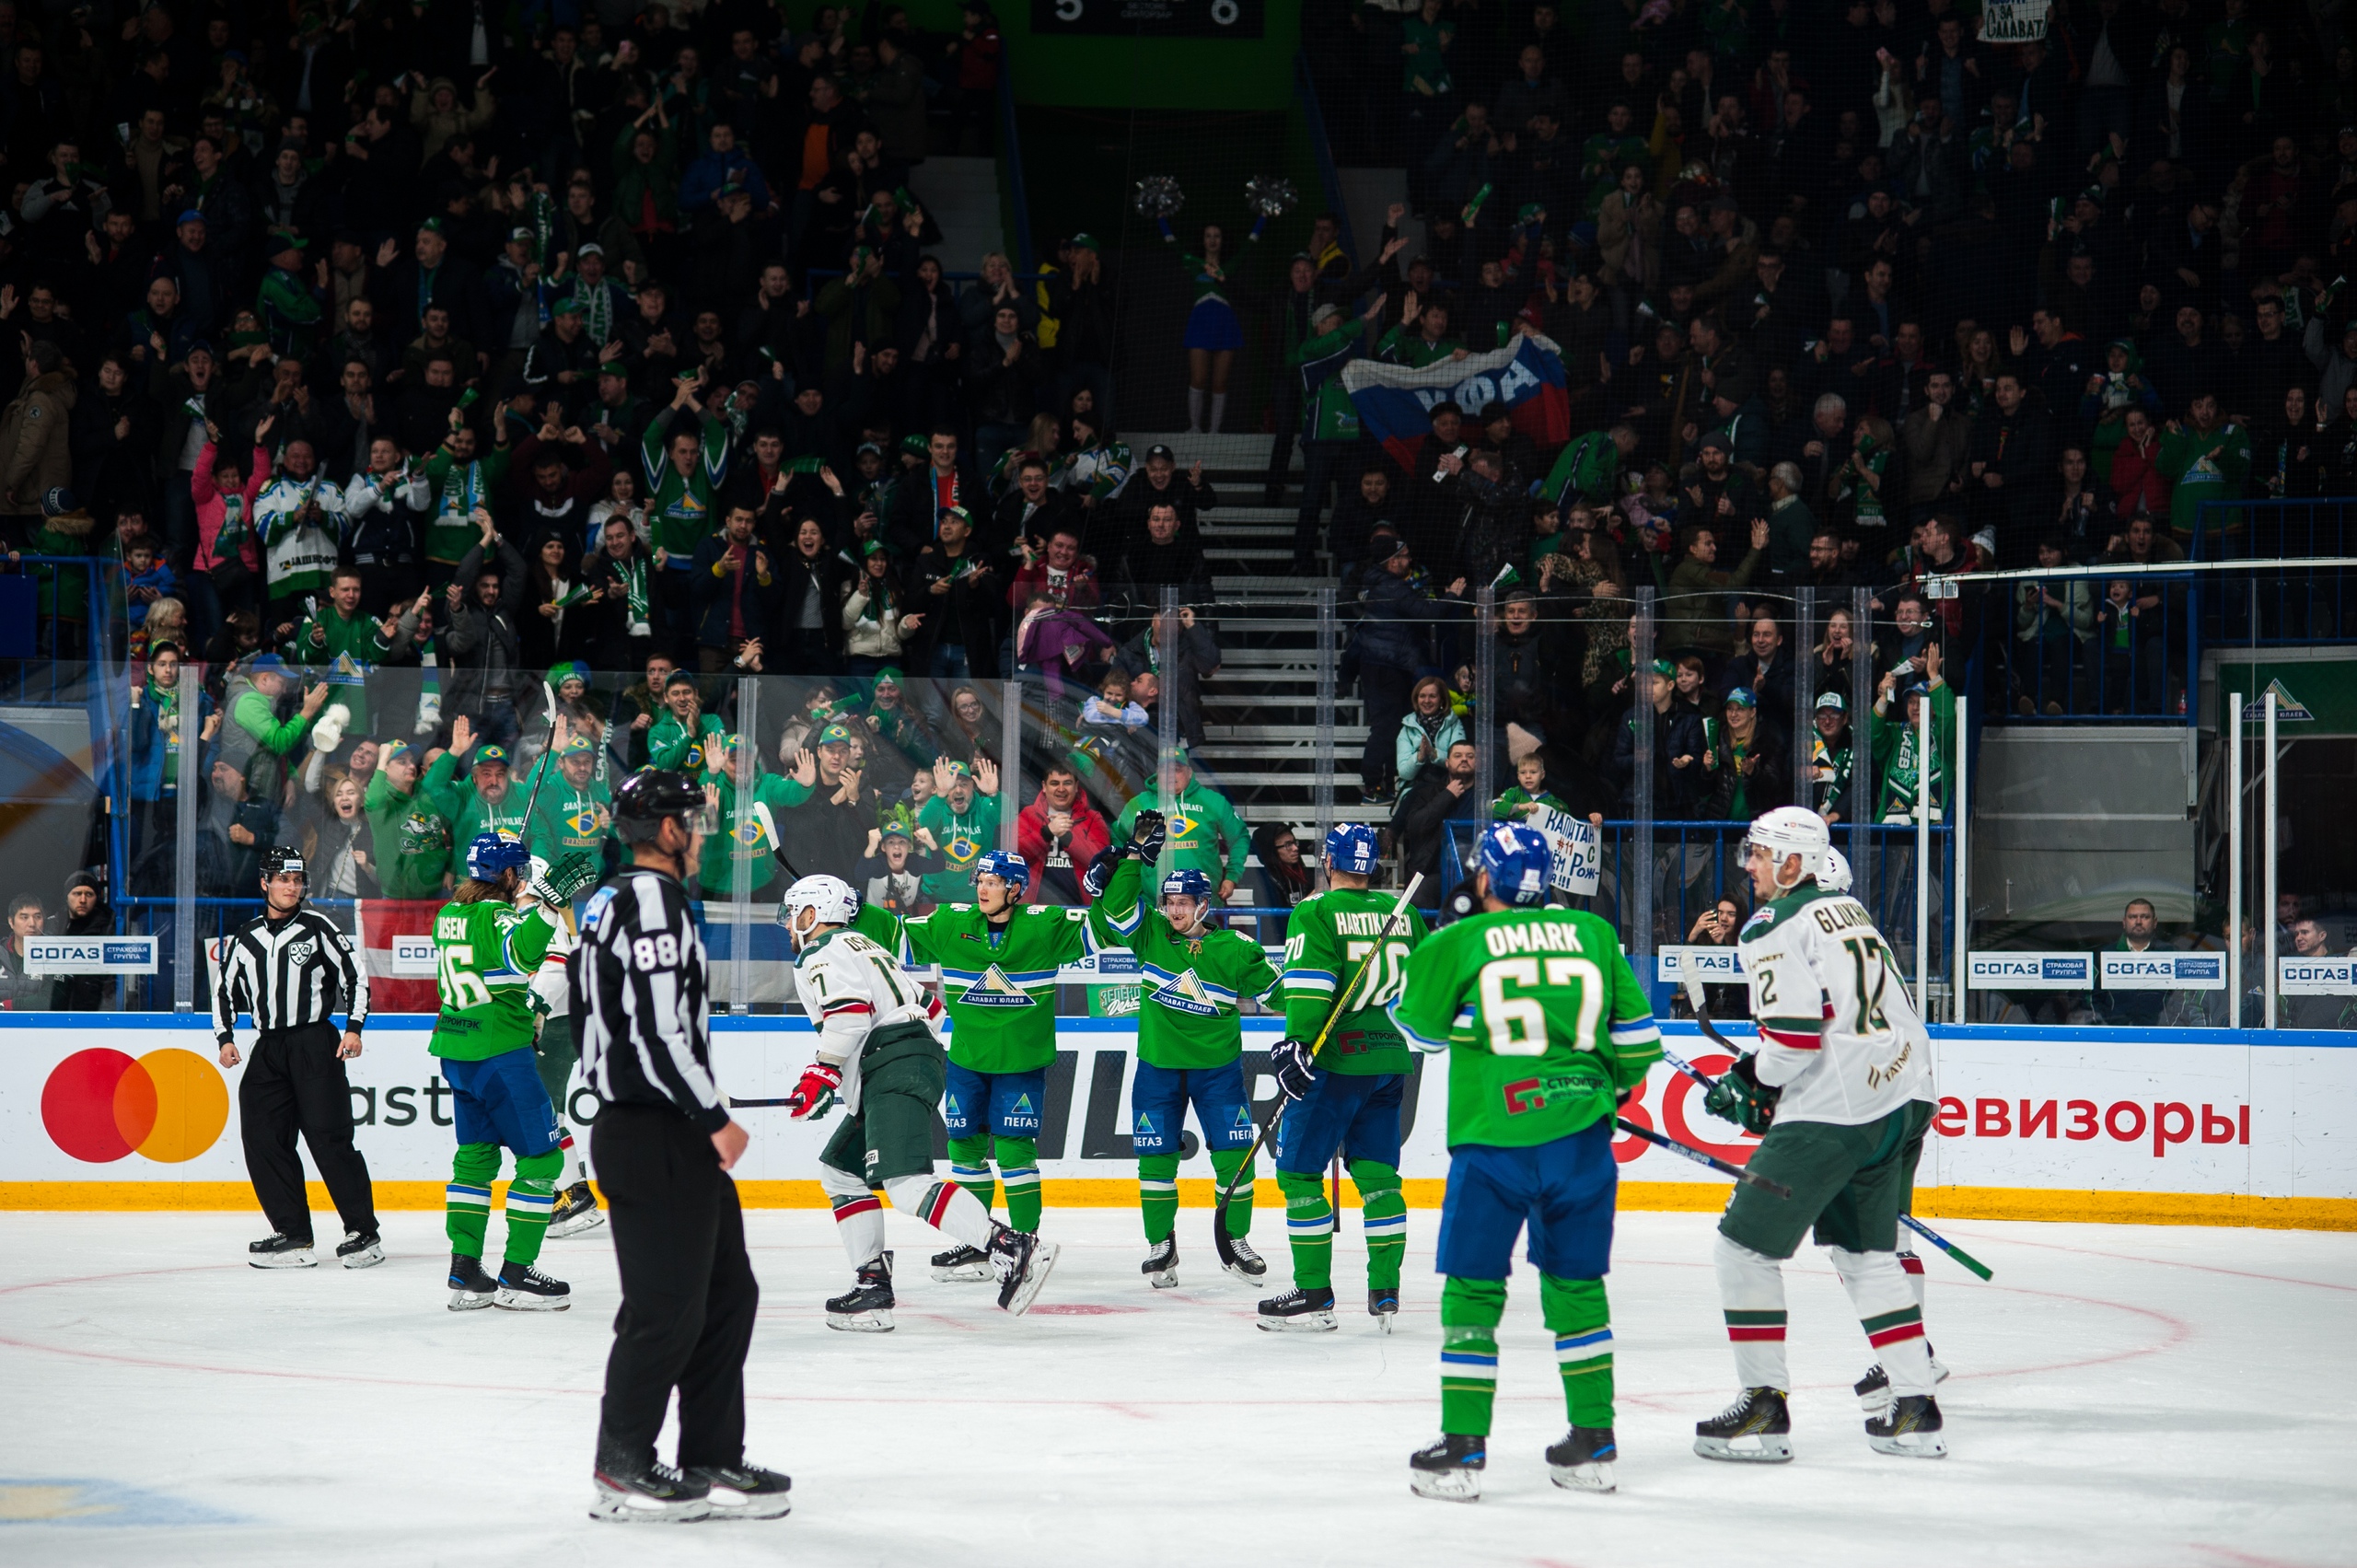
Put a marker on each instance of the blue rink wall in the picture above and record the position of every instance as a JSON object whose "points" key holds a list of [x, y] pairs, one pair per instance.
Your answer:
{"points": [[2161, 1126]]}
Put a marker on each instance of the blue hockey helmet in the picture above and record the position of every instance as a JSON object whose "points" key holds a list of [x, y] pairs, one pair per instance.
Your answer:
{"points": [[1516, 859], [1352, 846], [492, 853], [1186, 883], [1005, 863]]}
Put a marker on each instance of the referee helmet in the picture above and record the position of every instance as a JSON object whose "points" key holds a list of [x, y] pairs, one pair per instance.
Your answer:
{"points": [[646, 800]]}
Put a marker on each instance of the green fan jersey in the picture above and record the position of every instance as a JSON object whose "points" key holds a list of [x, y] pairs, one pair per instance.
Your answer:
{"points": [[961, 838], [485, 957], [1542, 1017], [566, 819], [1331, 933], [1191, 985], [999, 986], [411, 837]]}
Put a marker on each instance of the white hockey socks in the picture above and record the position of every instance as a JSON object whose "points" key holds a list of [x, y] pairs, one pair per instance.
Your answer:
{"points": [[859, 1215], [1751, 1293], [1912, 1267], [1887, 1308], [943, 1205]]}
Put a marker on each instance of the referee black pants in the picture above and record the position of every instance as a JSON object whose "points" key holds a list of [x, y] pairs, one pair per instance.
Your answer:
{"points": [[295, 1082], [688, 1287]]}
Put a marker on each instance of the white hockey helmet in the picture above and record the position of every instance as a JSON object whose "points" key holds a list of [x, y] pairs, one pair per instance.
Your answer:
{"points": [[1792, 830], [828, 900], [1833, 873]]}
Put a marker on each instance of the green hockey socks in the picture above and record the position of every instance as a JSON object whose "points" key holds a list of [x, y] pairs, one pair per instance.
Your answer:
{"points": [[1309, 1225], [531, 1196], [1469, 1310], [1576, 1314], [1157, 1195], [970, 1167], [1018, 1173], [1384, 1216], [1225, 1165]]}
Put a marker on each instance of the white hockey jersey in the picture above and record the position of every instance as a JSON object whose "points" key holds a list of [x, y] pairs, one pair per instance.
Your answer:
{"points": [[851, 987], [1838, 1032]]}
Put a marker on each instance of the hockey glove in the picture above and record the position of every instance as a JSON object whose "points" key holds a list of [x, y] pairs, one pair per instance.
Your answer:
{"points": [[1146, 837], [1740, 1097], [560, 883], [1290, 1061], [815, 1095], [1100, 872]]}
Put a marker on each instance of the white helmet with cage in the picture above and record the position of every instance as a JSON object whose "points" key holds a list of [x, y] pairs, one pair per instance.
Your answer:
{"points": [[828, 900], [1789, 831]]}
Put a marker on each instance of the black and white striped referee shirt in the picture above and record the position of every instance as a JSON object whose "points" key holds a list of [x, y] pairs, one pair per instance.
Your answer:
{"points": [[640, 1015], [288, 973]]}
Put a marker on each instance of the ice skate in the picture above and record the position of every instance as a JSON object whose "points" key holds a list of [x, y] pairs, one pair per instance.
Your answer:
{"points": [[1873, 1389], [1022, 1262], [523, 1288], [1911, 1428], [866, 1308], [1161, 1265], [1383, 1305], [1759, 1415], [644, 1492], [1248, 1266], [744, 1492], [962, 1262], [361, 1249], [1450, 1468], [1299, 1311], [575, 1212], [470, 1286], [1583, 1460], [280, 1251]]}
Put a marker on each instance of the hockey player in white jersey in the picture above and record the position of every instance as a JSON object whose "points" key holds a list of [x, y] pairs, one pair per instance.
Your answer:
{"points": [[555, 1055], [880, 1052], [1873, 1389], [1837, 1088]]}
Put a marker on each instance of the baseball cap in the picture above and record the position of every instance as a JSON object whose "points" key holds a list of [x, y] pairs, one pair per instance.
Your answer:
{"points": [[1083, 242], [490, 754], [1831, 700], [1741, 697], [568, 306], [520, 232], [835, 734], [575, 746], [1663, 666], [191, 216], [592, 249], [679, 677], [392, 749], [268, 664], [1158, 450]]}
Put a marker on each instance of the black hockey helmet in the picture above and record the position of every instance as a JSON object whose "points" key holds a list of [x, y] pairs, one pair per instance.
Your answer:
{"points": [[280, 858], [646, 800]]}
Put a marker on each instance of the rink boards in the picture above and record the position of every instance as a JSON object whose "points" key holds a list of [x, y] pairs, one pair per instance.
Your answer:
{"points": [[2140, 1125]]}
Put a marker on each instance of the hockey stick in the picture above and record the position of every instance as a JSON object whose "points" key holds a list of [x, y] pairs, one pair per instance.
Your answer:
{"points": [[736, 1104], [1749, 1177], [1950, 1248], [1220, 1243], [1694, 994], [546, 765], [1701, 1017]]}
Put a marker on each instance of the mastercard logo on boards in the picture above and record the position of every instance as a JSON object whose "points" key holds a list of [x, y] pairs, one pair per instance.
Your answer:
{"points": [[101, 1104]]}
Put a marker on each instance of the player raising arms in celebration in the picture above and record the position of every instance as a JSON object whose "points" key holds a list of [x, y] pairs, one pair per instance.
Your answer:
{"points": [[1547, 1031], [879, 1052], [1837, 1086], [998, 960], [1349, 1097], [1191, 1039]]}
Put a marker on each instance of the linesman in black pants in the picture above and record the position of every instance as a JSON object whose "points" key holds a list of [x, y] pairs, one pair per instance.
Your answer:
{"points": [[663, 1144], [292, 969]]}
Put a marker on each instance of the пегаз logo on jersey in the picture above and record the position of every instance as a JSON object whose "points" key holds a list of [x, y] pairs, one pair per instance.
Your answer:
{"points": [[100, 1106]]}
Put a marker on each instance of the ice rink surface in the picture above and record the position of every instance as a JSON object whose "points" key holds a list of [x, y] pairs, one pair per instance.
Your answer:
{"points": [[2130, 1395]]}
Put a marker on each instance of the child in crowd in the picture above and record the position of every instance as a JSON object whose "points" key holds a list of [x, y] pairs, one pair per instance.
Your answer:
{"points": [[1527, 798]]}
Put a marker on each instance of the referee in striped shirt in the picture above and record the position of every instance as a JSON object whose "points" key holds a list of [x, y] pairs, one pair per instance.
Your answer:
{"points": [[663, 1144], [291, 969]]}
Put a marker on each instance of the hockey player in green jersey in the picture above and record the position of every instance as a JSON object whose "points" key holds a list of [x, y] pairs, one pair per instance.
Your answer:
{"points": [[877, 1048], [1841, 1087], [1190, 1041], [1347, 1099], [1547, 1031], [488, 944], [998, 958]]}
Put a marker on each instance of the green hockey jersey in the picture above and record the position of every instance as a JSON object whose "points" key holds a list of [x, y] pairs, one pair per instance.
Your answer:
{"points": [[1000, 987], [1189, 986], [1541, 1015], [1329, 935], [485, 957]]}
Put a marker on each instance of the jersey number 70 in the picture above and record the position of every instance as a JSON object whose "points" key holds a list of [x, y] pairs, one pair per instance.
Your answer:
{"points": [[1386, 974]]}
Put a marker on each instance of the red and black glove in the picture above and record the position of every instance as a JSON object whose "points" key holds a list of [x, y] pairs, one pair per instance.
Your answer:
{"points": [[815, 1095]]}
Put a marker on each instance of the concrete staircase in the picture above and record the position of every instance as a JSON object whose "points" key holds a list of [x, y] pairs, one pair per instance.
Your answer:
{"points": [[1260, 710], [962, 195]]}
